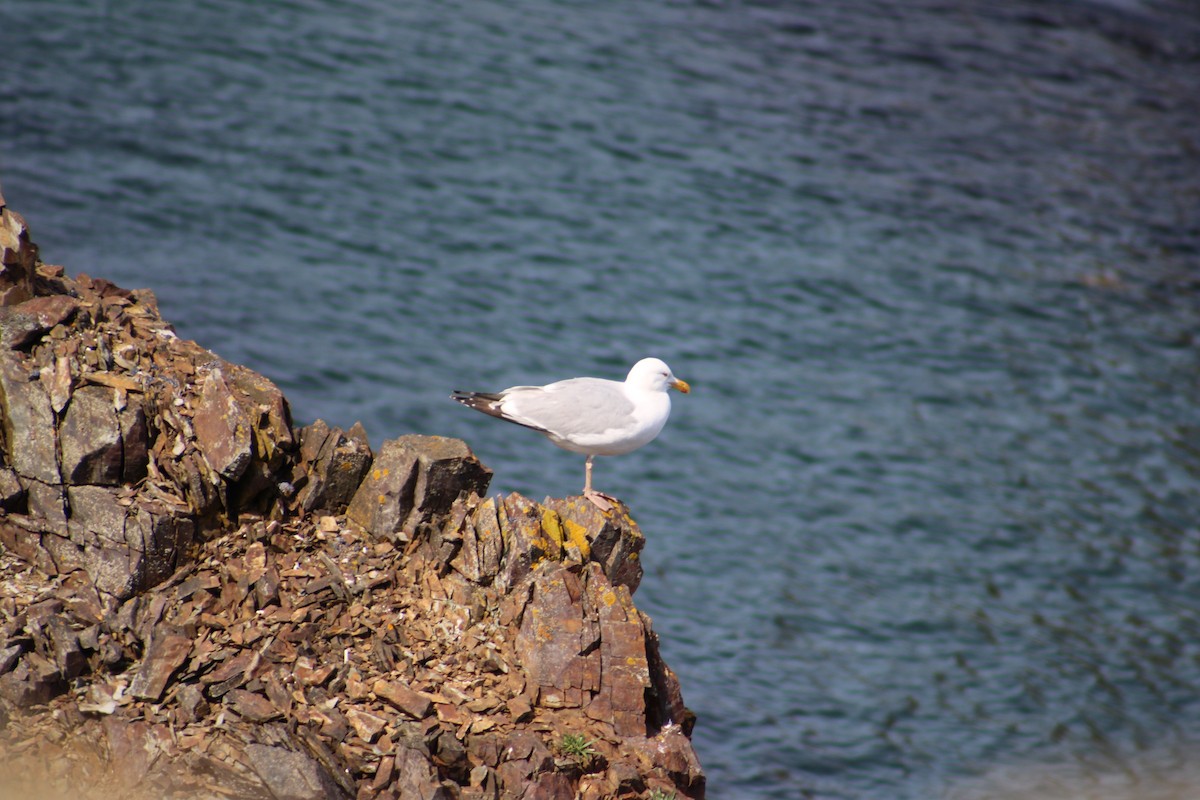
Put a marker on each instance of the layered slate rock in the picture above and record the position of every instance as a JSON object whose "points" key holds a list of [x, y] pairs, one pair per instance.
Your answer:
{"points": [[332, 465], [122, 442], [415, 480], [197, 600], [371, 670]]}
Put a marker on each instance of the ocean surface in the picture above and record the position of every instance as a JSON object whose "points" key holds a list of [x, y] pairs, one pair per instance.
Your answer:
{"points": [[929, 523]]}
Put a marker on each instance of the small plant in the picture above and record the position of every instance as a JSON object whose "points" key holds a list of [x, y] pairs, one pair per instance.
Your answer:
{"points": [[577, 747], [659, 794]]}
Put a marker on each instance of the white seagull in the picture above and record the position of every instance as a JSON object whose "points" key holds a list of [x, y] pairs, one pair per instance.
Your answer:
{"points": [[592, 416]]}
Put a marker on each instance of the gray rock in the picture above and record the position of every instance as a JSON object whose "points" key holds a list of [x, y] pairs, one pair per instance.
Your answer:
{"points": [[90, 438]]}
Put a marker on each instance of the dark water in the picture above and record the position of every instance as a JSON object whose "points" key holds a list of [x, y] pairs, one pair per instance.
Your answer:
{"points": [[932, 269]]}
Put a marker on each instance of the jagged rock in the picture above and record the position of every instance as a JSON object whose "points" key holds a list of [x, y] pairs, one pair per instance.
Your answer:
{"points": [[29, 425], [166, 653], [333, 464], [429, 644], [413, 480], [18, 255], [290, 775], [223, 430], [12, 493], [23, 324], [90, 438], [614, 540], [414, 704], [34, 681]]}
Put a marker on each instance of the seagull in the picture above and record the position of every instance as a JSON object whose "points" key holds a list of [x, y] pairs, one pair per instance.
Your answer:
{"points": [[592, 416]]}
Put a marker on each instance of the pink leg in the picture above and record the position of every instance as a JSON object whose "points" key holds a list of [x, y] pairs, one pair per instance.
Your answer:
{"points": [[599, 500]]}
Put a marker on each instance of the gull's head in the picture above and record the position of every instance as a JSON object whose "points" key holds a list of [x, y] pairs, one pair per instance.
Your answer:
{"points": [[654, 374]]}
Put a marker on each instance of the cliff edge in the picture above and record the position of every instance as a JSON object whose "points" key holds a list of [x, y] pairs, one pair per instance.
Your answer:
{"points": [[198, 599]]}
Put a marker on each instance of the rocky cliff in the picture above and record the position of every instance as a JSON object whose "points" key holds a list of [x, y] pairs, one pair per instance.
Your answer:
{"points": [[198, 599]]}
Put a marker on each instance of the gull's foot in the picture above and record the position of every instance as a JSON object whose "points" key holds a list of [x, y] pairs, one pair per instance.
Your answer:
{"points": [[600, 500]]}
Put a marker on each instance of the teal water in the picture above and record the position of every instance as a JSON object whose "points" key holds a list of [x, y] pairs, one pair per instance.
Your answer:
{"points": [[932, 269]]}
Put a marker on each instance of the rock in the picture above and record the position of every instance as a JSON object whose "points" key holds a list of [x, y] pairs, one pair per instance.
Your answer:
{"points": [[614, 540], [192, 705], [65, 650], [29, 425], [166, 653], [252, 706], [414, 704], [368, 726], [212, 630], [290, 775], [135, 440], [415, 777], [333, 463], [90, 439], [23, 324], [413, 480], [34, 681], [12, 493], [18, 256], [224, 434]]}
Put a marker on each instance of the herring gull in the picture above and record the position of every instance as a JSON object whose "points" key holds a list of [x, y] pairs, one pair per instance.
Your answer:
{"points": [[592, 416]]}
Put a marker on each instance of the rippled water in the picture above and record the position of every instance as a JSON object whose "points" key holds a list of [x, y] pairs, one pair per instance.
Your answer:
{"points": [[931, 268]]}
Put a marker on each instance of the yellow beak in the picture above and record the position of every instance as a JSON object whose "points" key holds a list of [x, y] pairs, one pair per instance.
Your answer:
{"points": [[681, 386]]}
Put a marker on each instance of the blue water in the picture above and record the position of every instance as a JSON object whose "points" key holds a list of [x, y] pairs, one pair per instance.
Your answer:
{"points": [[932, 269]]}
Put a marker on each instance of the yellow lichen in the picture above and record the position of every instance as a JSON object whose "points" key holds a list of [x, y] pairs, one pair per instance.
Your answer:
{"points": [[552, 526]]}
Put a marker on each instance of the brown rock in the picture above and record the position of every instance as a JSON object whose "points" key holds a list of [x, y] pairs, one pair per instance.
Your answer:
{"points": [[614, 540], [29, 425], [527, 541], [367, 726], [110, 570], [412, 703], [166, 653], [90, 438], [252, 706], [191, 703], [12, 493], [33, 681], [97, 516], [557, 642], [224, 434], [290, 775], [673, 753], [550, 786], [18, 256], [334, 463], [158, 531], [415, 776], [414, 479], [64, 648], [135, 443], [23, 324], [621, 699]]}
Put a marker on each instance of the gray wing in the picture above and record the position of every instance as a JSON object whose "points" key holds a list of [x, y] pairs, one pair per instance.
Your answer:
{"points": [[570, 408]]}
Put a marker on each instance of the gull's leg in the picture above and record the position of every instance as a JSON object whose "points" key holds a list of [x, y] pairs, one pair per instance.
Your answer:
{"points": [[600, 501]]}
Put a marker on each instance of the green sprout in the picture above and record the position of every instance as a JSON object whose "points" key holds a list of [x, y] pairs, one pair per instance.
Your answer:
{"points": [[576, 746]]}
